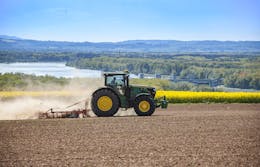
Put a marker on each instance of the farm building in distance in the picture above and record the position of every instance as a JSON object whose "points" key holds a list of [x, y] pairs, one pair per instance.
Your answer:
{"points": [[174, 78]]}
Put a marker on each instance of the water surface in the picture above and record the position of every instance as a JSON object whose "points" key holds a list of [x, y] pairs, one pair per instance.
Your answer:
{"points": [[52, 69]]}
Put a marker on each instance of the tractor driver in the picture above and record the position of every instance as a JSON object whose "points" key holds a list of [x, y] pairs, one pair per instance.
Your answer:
{"points": [[113, 82]]}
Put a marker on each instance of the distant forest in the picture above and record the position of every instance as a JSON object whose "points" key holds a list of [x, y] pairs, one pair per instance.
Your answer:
{"points": [[237, 70], [236, 62], [168, 46]]}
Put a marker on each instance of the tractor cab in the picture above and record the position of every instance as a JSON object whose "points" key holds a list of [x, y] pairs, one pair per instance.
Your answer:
{"points": [[116, 79]]}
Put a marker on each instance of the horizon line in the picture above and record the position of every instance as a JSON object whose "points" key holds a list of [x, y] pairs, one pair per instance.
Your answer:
{"points": [[155, 39]]}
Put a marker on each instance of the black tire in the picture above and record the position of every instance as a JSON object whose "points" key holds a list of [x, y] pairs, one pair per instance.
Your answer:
{"points": [[149, 106], [104, 110]]}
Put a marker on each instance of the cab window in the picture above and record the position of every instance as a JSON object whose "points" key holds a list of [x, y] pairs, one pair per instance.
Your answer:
{"points": [[116, 80]]}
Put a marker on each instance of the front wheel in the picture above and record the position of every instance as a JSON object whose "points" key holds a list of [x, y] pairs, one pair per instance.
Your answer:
{"points": [[144, 106]]}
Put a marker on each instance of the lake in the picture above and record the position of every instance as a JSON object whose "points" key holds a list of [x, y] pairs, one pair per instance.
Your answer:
{"points": [[52, 69]]}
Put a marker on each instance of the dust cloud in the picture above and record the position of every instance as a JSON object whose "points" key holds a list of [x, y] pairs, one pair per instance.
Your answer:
{"points": [[27, 108], [30, 107]]}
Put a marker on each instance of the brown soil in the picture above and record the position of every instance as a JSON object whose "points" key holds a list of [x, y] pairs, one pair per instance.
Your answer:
{"points": [[183, 135]]}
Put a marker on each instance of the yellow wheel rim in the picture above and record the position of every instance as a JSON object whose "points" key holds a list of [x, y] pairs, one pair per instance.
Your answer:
{"points": [[104, 103], [144, 106]]}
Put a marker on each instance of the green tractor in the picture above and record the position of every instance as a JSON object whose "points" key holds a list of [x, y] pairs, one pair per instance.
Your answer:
{"points": [[117, 93]]}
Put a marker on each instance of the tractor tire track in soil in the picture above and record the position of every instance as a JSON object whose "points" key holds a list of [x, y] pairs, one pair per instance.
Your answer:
{"points": [[183, 135]]}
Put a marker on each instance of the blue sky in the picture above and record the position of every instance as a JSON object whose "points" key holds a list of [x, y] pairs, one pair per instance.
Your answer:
{"points": [[118, 20]]}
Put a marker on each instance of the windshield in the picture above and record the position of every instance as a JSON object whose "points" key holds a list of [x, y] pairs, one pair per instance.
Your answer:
{"points": [[116, 80]]}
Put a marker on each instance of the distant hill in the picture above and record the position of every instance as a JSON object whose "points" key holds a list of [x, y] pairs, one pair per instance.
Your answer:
{"points": [[10, 43], [9, 37]]}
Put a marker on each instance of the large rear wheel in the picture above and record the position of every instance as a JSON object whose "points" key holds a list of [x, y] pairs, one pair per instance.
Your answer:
{"points": [[144, 106], [104, 103]]}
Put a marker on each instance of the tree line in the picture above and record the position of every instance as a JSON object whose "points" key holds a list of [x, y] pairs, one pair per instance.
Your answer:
{"points": [[238, 70]]}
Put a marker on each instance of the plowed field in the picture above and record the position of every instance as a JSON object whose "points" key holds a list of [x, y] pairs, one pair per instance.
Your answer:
{"points": [[183, 135]]}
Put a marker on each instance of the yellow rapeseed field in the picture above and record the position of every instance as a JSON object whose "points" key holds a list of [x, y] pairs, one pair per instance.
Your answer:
{"points": [[215, 97], [12, 94], [172, 96]]}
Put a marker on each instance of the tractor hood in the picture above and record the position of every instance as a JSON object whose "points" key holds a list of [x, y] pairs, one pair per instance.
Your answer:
{"points": [[142, 86], [144, 89]]}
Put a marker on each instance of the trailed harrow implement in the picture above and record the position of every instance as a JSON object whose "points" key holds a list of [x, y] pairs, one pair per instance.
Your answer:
{"points": [[65, 113]]}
